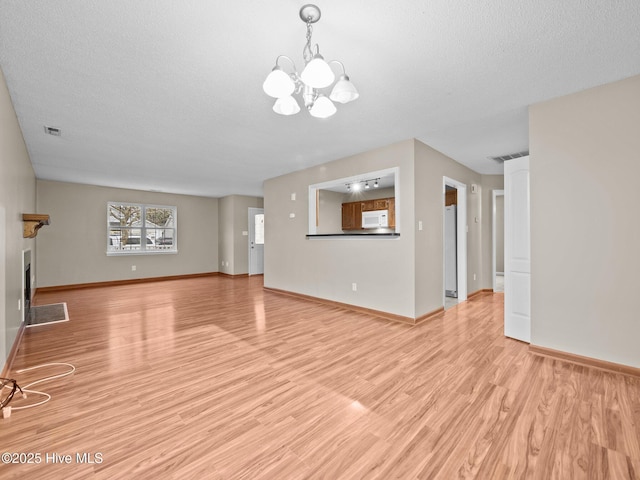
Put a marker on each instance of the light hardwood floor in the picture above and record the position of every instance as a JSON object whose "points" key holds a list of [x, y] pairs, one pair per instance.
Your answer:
{"points": [[213, 378]]}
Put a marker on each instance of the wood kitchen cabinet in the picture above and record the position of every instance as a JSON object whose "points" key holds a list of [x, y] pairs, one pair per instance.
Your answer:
{"points": [[367, 206], [381, 204], [392, 212], [352, 216], [377, 204], [352, 212]]}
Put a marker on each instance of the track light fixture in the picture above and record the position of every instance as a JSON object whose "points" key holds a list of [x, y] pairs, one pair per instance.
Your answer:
{"points": [[315, 76], [357, 186]]}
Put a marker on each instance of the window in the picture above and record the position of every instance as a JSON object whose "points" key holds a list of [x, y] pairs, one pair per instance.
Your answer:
{"points": [[134, 229], [259, 228]]}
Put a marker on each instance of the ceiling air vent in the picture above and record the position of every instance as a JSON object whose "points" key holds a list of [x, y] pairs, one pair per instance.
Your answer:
{"points": [[55, 131], [504, 158]]}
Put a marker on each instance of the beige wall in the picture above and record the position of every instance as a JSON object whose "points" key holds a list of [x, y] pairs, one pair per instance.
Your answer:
{"points": [[329, 212], [403, 276], [17, 196], [383, 268], [431, 167], [225, 234], [233, 221], [72, 250], [585, 168]]}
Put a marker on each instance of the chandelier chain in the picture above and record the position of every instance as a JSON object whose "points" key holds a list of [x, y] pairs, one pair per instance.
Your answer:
{"points": [[307, 52]]}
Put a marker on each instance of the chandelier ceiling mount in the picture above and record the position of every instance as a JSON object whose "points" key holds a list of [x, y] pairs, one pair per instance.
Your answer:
{"points": [[310, 13]]}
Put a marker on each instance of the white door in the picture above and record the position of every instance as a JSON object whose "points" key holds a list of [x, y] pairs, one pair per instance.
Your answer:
{"points": [[517, 250], [256, 241]]}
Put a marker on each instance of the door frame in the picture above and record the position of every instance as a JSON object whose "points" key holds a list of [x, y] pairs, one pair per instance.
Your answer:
{"points": [[494, 198], [251, 213], [461, 236]]}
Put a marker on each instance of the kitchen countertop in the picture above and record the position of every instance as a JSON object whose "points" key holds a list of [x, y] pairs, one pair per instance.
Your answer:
{"points": [[377, 235]]}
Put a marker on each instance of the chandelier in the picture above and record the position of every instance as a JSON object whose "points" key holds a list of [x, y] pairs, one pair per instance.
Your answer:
{"points": [[316, 76]]}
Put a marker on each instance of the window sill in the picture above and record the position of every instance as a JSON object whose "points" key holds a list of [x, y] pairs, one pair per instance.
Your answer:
{"points": [[136, 252]]}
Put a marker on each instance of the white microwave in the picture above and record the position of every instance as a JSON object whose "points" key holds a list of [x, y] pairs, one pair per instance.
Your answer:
{"points": [[375, 219]]}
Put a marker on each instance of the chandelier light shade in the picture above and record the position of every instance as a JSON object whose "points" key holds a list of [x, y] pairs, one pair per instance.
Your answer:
{"points": [[317, 73], [278, 84], [316, 76], [322, 107], [344, 91], [286, 106]]}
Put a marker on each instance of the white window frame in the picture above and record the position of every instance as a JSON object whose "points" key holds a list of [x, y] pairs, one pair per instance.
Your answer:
{"points": [[173, 249]]}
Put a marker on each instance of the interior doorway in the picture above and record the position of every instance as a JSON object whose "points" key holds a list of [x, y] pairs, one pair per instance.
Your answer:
{"points": [[26, 284], [497, 208], [256, 241], [450, 247], [454, 242]]}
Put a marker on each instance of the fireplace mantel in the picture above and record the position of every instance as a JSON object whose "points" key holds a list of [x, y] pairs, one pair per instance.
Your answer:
{"points": [[32, 222]]}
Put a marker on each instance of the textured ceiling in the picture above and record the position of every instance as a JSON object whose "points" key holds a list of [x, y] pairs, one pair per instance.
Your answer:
{"points": [[165, 95]]}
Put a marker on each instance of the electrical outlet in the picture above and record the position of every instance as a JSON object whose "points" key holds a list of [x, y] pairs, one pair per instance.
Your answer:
{"points": [[354, 287], [133, 268], [474, 276]]}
